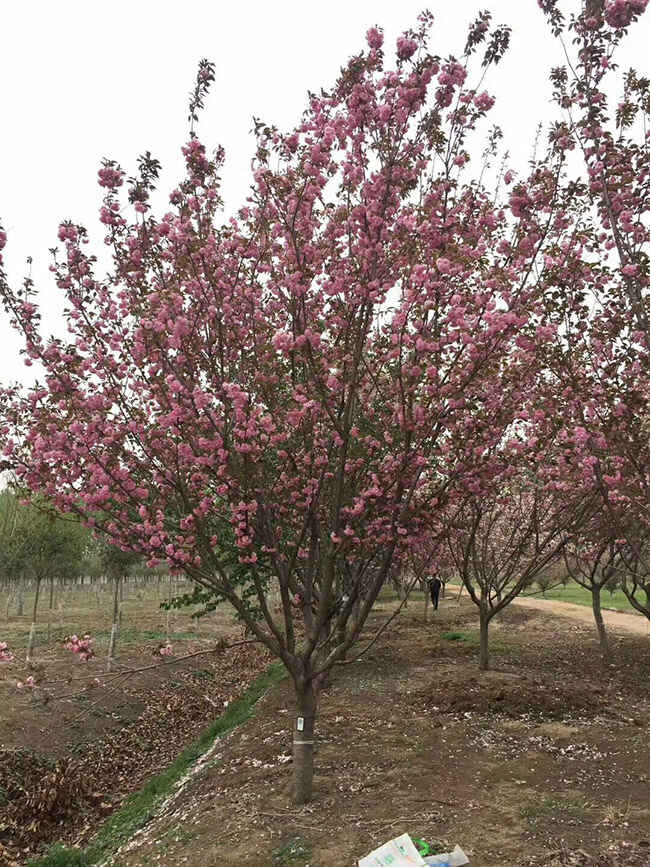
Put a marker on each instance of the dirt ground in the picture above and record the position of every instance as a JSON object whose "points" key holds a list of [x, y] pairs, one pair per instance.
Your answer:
{"points": [[72, 749], [631, 622], [543, 761]]}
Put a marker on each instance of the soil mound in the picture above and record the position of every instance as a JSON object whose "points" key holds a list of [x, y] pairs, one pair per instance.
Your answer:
{"points": [[511, 695]]}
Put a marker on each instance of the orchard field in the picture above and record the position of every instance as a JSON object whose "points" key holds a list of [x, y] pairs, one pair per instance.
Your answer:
{"points": [[541, 761], [241, 434], [80, 740]]}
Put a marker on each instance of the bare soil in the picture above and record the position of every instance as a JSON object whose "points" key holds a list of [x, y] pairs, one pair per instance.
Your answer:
{"points": [[631, 622], [544, 761]]}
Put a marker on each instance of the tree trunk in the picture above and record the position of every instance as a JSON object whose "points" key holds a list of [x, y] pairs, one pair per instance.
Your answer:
{"points": [[49, 610], [303, 743], [484, 657], [114, 626], [426, 604], [20, 601], [600, 623], [169, 611], [32, 631]]}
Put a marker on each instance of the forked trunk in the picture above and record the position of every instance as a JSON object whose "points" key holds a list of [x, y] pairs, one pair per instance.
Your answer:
{"points": [[303, 743], [600, 624]]}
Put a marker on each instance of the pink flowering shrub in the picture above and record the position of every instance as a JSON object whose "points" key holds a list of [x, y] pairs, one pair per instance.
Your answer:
{"points": [[5, 654], [81, 646], [166, 650]]}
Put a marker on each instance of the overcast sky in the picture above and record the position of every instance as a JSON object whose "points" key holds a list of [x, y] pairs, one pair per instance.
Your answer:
{"points": [[86, 80]]}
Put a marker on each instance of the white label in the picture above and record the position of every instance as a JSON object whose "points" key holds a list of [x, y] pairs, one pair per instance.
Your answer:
{"points": [[300, 723]]}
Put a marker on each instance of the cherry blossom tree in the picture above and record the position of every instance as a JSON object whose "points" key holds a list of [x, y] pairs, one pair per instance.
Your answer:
{"points": [[593, 567], [635, 580], [317, 377], [603, 369], [504, 538]]}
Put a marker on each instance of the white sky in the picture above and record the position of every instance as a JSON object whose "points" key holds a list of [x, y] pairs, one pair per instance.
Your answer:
{"points": [[85, 80]]}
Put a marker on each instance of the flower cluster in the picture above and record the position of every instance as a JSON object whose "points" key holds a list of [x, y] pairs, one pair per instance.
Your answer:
{"points": [[28, 683], [80, 646], [166, 650], [5, 654], [620, 13]]}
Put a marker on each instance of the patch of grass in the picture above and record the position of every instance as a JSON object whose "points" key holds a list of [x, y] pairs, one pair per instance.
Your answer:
{"points": [[139, 807], [551, 810], [459, 636], [616, 601], [62, 856], [572, 592], [296, 852]]}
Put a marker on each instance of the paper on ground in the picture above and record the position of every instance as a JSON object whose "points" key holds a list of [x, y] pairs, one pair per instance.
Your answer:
{"points": [[399, 852], [457, 858]]}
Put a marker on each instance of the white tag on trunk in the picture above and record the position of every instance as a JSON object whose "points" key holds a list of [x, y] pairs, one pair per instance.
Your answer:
{"points": [[300, 723]]}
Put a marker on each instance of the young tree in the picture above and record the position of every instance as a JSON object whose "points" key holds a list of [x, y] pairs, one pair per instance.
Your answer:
{"points": [[41, 546], [500, 542], [115, 564], [314, 377], [634, 567], [593, 566]]}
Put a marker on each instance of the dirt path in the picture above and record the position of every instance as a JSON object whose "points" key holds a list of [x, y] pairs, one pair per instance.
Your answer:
{"points": [[615, 619]]}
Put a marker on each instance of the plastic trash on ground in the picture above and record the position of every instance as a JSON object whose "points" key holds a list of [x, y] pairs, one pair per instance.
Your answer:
{"points": [[448, 859], [401, 852]]}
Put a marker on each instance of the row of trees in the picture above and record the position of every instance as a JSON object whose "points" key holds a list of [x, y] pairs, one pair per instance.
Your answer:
{"points": [[43, 550], [389, 353]]}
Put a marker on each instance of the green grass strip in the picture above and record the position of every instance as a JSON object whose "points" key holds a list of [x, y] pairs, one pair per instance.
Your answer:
{"points": [[139, 808]]}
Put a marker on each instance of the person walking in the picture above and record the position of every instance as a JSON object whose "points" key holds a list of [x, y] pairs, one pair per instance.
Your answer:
{"points": [[434, 589]]}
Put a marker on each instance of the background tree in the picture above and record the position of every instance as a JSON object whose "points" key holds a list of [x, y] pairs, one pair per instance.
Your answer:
{"points": [[593, 565], [115, 564], [503, 539], [40, 545], [605, 371]]}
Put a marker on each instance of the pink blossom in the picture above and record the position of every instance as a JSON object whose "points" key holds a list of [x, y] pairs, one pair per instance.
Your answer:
{"points": [[620, 13], [375, 38], [453, 74], [406, 47], [67, 232], [484, 101], [110, 177], [82, 647]]}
